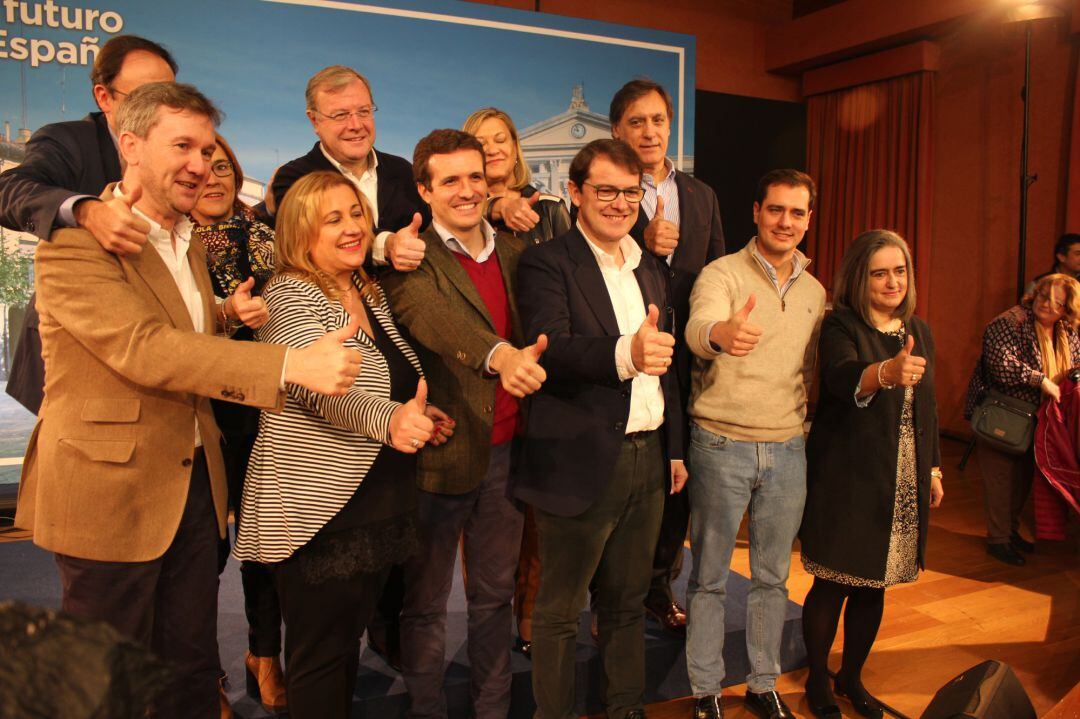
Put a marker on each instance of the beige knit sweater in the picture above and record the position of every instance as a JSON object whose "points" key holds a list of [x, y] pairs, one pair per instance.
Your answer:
{"points": [[760, 397]]}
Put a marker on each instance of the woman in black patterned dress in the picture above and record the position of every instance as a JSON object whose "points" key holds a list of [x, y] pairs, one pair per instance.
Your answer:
{"points": [[239, 248], [873, 462], [1025, 352]]}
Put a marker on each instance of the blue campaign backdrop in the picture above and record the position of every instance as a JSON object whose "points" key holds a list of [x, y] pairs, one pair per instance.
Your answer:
{"points": [[430, 63]]}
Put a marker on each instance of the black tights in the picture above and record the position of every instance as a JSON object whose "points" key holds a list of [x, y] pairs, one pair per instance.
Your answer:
{"points": [[820, 616]]}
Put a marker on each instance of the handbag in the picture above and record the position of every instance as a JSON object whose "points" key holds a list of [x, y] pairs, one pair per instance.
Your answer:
{"points": [[1005, 423]]}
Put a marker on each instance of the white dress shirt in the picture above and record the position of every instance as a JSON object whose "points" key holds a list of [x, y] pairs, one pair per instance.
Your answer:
{"points": [[666, 188], [646, 397], [175, 257]]}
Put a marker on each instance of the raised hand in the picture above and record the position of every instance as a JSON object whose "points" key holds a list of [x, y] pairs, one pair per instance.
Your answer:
{"points": [[113, 224], [661, 236], [650, 349], [904, 369], [520, 370], [326, 366], [404, 248], [738, 335], [410, 426], [519, 213], [245, 308]]}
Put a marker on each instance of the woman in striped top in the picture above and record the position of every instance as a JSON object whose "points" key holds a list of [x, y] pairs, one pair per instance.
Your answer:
{"points": [[328, 496]]}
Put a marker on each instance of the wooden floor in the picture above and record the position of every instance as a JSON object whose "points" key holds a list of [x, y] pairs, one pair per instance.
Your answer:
{"points": [[966, 608]]}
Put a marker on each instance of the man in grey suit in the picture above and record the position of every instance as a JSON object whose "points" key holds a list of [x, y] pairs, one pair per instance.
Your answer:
{"points": [[459, 307]]}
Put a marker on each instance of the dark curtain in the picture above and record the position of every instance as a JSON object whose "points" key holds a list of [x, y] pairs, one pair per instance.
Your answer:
{"points": [[869, 150]]}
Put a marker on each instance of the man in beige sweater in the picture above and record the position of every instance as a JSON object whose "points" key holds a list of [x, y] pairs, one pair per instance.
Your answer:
{"points": [[754, 320]]}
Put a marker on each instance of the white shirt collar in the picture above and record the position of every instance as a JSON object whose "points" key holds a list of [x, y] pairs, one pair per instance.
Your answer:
{"points": [[372, 164], [454, 245], [158, 235], [630, 250]]}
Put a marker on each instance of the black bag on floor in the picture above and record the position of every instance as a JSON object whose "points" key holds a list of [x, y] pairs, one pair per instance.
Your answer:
{"points": [[985, 691]]}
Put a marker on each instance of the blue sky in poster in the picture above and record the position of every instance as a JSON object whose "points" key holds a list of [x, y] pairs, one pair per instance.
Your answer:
{"points": [[254, 57]]}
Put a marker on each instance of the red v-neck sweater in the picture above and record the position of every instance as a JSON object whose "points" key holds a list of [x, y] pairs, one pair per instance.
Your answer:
{"points": [[487, 277]]}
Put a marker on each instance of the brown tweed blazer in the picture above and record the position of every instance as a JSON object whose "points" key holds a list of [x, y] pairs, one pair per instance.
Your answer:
{"points": [[126, 383], [442, 310]]}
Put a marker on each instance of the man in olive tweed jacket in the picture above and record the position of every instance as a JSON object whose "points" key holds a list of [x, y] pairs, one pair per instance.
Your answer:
{"points": [[459, 308]]}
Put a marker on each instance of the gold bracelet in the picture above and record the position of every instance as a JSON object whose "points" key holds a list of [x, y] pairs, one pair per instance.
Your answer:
{"points": [[936, 473]]}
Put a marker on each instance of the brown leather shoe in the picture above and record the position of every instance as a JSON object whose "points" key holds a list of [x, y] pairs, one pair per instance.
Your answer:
{"points": [[265, 681], [671, 616], [226, 708]]}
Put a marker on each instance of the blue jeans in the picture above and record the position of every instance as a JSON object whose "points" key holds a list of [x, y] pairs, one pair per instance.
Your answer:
{"points": [[727, 477]]}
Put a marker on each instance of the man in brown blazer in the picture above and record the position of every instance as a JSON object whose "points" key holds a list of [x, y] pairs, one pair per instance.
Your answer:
{"points": [[123, 477], [459, 307]]}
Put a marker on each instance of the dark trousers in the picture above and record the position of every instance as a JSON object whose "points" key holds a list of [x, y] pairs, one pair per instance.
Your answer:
{"points": [[1007, 480], [667, 560], [491, 526], [261, 605], [323, 624], [613, 540], [169, 603]]}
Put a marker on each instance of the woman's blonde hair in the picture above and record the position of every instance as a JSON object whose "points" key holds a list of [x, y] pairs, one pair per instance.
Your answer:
{"points": [[521, 175], [1054, 344], [851, 289], [297, 226]]}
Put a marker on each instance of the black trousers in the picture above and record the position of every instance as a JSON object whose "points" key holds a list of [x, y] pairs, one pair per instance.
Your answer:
{"points": [[169, 604], [323, 624], [667, 560], [261, 606]]}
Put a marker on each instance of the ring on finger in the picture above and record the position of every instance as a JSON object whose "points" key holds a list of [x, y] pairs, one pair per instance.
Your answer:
{"points": [[415, 443], [914, 377]]}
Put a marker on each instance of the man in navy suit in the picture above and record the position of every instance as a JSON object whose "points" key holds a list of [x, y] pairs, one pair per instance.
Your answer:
{"points": [[603, 437], [679, 223], [67, 165], [342, 113]]}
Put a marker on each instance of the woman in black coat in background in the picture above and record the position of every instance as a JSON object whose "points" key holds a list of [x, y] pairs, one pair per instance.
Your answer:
{"points": [[873, 462]]}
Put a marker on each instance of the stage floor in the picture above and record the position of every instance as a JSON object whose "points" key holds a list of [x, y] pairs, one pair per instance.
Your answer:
{"points": [[967, 607]]}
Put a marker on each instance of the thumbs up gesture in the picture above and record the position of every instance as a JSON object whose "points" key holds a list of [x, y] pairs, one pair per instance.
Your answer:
{"points": [[650, 349], [520, 370], [113, 224], [518, 213], [661, 236], [410, 427], [405, 248], [738, 335], [904, 368], [245, 308], [326, 366]]}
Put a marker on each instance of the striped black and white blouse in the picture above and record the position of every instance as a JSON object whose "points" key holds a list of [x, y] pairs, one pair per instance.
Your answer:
{"points": [[309, 459]]}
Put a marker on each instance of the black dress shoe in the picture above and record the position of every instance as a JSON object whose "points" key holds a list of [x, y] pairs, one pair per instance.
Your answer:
{"points": [[860, 700], [709, 707], [822, 707], [523, 646], [636, 714], [670, 615], [768, 705], [1006, 553], [1020, 543]]}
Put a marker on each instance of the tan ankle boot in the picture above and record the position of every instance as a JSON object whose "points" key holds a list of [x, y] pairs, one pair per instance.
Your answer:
{"points": [[265, 681]]}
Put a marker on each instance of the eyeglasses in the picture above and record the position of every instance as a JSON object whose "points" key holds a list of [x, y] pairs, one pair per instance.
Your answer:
{"points": [[222, 168], [340, 118], [114, 91], [1054, 304], [607, 193]]}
